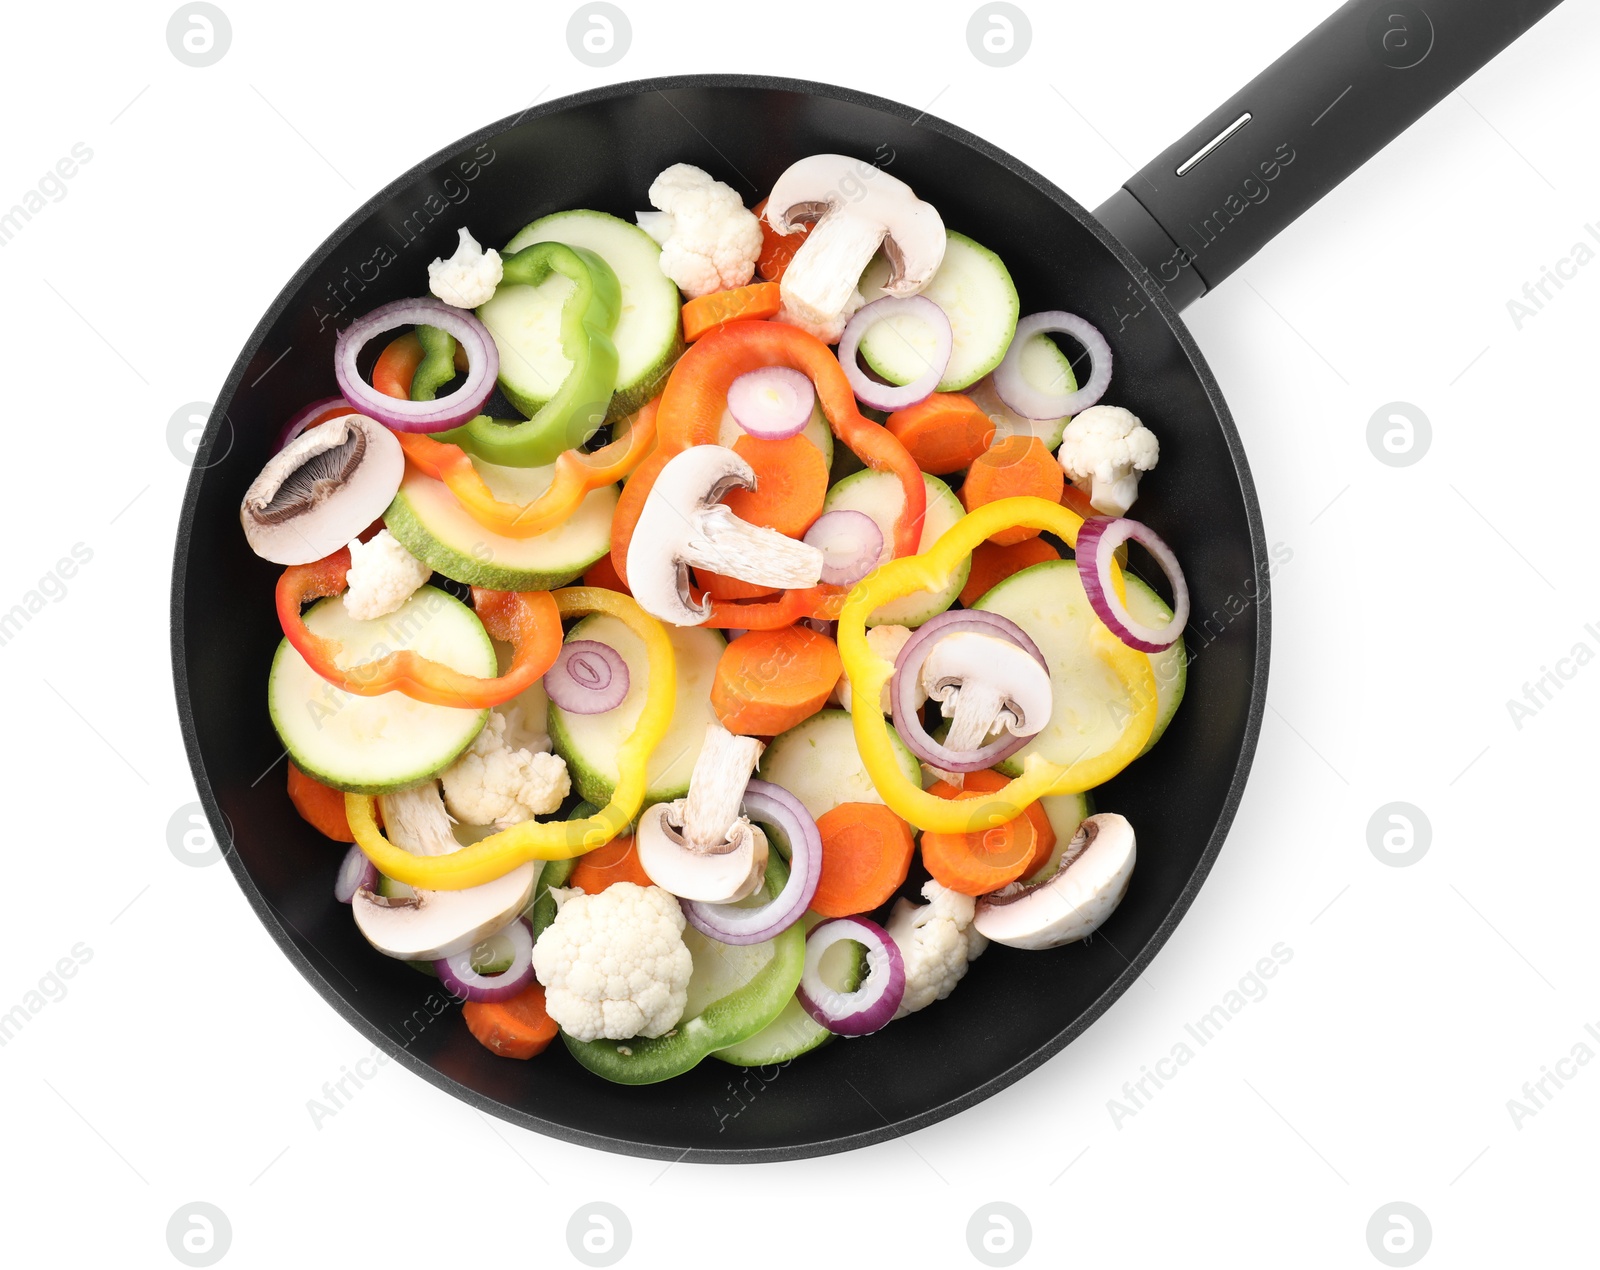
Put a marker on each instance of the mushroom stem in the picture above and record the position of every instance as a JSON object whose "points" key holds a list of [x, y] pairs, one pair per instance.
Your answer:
{"points": [[722, 543], [417, 820], [974, 711], [684, 525], [709, 816], [838, 248]]}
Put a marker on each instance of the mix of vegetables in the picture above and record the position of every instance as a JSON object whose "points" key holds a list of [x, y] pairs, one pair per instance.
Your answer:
{"points": [[761, 631]]}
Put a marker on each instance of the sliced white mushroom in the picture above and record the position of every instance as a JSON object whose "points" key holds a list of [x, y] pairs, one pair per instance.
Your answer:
{"points": [[428, 925], [322, 489], [1088, 884], [683, 525], [701, 847], [985, 684], [854, 209], [418, 925], [417, 820]]}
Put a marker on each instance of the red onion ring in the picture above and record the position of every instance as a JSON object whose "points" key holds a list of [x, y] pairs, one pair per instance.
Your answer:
{"points": [[871, 1005], [356, 873], [890, 396], [906, 695], [1098, 541], [457, 974], [483, 365], [1031, 402], [773, 403], [317, 412], [850, 542], [588, 677], [732, 924]]}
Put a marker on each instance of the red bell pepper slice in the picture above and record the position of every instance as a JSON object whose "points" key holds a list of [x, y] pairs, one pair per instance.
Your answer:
{"points": [[527, 620]]}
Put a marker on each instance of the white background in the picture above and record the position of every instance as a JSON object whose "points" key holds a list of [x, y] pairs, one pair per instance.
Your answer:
{"points": [[1418, 601]]}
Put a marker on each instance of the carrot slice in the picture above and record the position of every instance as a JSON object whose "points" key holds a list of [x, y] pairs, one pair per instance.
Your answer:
{"points": [[515, 1028], [617, 861], [602, 573], [987, 858], [992, 564], [769, 681], [1075, 499], [866, 853], [320, 807], [777, 250], [989, 781], [791, 482], [944, 432], [707, 312], [1019, 465], [721, 588]]}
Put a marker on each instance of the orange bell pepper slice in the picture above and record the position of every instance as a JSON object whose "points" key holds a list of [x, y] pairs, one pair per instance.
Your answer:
{"points": [[825, 602], [529, 621], [577, 476]]}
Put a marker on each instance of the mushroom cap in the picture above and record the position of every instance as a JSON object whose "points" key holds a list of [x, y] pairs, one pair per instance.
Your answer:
{"points": [[1085, 889], [658, 575], [723, 877], [1021, 683], [823, 185], [322, 490], [683, 524], [428, 925]]}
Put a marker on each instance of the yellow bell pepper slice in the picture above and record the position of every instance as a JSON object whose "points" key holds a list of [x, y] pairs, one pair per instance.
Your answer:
{"points": [[498, 854], [868, 673]]}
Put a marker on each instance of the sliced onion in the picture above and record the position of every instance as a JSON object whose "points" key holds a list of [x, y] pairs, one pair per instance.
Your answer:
{"points": [[483, 364], [889, 396], [317, 412], [773, 403], [588, 677], [457, 974], [772, 805], [871, 1005], [1034, 403], [850, 542], [1098, 541], [906, 695], [356, 873]]}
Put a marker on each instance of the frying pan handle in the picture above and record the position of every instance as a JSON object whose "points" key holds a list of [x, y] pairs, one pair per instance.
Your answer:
{"points": [[1210, 201]]}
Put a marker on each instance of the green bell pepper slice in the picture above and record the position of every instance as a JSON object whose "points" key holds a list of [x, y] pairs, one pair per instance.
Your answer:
{"points": [[579, 405], [438, 365], [724, 1021]]}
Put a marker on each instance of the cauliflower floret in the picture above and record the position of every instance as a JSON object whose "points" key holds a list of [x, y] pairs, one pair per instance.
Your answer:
{"points": [[1108, 447], [469, 277], [528, 721], [937, 940], [709, 240], [827, 327], [494, 783], [885, 641], [383, 576], [614, 965]]}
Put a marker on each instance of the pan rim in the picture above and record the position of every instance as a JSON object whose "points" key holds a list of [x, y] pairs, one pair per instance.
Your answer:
{"points": [[277, 926]]}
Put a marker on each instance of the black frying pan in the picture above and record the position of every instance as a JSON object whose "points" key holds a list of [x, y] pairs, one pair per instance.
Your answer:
{"points": [[1163, 240]]}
